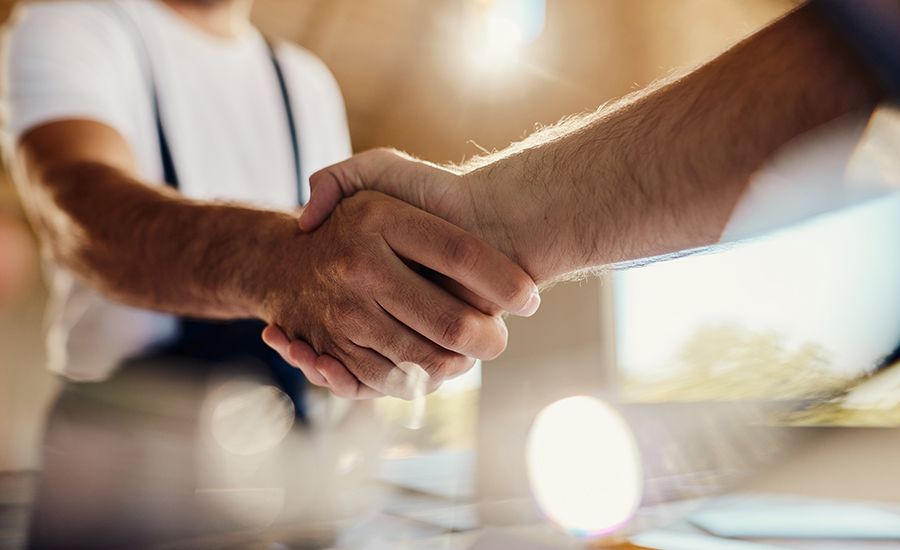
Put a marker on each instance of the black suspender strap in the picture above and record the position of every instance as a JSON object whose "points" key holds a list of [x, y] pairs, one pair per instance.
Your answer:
{"points": [[170, 175], [289, 113]]}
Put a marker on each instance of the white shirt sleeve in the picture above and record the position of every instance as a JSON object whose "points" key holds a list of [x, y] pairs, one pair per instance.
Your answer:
{"points": [[63, 62]]}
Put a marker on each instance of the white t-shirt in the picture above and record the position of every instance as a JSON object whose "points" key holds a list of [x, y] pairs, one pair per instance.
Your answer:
{"points": [[224, 119]]}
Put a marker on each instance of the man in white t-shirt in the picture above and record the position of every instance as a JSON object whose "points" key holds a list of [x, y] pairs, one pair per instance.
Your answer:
{"points": [[105, 100], [160, 147]]}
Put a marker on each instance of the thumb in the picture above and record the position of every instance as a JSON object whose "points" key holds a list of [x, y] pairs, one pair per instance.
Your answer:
{"points": [[385, 170], [361, 172], [325, 193]]}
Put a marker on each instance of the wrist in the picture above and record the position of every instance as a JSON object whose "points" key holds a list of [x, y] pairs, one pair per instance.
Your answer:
{"points": [[511, 214], [270, 251], [546, 215]]}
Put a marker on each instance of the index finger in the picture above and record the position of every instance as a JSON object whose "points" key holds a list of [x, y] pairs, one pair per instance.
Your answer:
{"points": [[463, 257]]}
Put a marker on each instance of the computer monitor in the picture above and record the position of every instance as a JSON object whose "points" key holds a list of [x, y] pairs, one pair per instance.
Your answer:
{"points": [[800, 314], [717, 353]]}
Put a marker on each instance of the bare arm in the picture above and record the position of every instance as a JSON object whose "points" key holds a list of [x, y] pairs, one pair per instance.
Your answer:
{"points": [[656, 172], [344, 288], [661, 171], [144, 245]]}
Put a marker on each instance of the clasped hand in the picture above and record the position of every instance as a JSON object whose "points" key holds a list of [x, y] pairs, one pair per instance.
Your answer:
{"points": [[384, 291]]}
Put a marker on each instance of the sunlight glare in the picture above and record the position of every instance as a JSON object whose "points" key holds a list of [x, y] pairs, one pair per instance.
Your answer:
{"points": [[584, 466], [497, 31]]}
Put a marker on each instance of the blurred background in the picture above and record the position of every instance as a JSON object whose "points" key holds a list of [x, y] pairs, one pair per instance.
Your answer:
{"points": [[444, 80]]}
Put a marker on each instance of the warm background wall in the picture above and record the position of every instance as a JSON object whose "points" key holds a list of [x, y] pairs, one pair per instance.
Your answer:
{"points": [[408, 84], [402, 66]]}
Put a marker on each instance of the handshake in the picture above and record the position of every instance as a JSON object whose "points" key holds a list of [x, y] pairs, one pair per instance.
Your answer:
{"points": [[408, 270], [398, 272], [413, 264]]}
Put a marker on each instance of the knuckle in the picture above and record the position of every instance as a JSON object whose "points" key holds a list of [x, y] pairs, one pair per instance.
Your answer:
{"points": [[458, 330], [437, 362], [349, 324], [368, 209], [356, 269], [464, 253], [353, 267], [390, 341], [365, 372], [340, 310]]}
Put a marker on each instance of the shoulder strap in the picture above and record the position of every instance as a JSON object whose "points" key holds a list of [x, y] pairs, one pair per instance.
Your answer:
{"points": [[289, 113], [170, 174]]}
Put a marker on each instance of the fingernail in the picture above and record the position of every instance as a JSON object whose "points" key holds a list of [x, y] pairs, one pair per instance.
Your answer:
{"points": [[272, 337], [322, 374], [502, 324], [531, 307]]}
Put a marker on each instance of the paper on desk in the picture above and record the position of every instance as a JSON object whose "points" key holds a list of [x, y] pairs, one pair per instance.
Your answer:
{"points": [[760, 516]]}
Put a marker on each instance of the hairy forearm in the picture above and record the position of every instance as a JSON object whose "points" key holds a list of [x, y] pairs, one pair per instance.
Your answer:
{"points": [[152, 248], [661, 170]]}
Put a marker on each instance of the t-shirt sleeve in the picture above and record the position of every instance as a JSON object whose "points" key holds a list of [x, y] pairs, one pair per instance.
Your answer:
{"points": [[60, 63]]}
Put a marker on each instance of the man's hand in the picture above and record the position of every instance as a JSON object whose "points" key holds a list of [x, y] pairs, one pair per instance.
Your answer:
{"points": [[349, 293], [428, 187], [486, 206]]}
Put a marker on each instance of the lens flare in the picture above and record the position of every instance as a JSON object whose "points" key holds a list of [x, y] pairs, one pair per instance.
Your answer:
{"points": [[249, 418], [410, 381], [584, 466], [497, 30]]}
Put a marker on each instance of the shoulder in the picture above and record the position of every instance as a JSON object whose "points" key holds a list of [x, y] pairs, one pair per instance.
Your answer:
{"points": [[88, 18], [65, 60], [301, 64], [73, 30], [299, 56]]}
